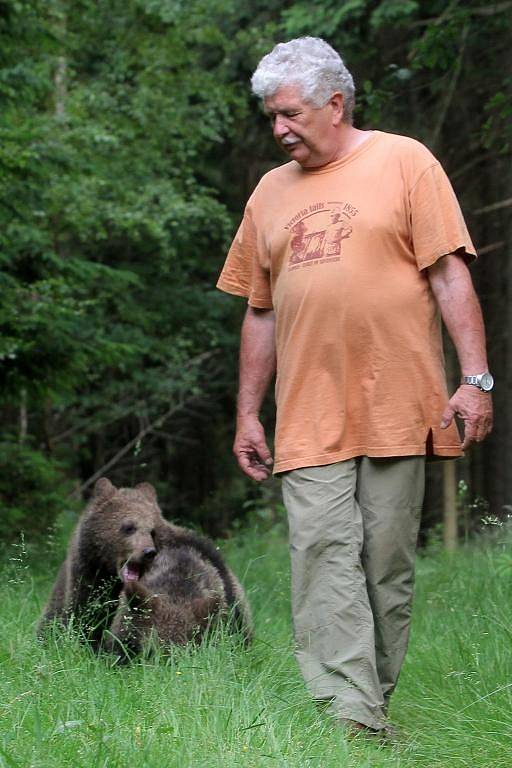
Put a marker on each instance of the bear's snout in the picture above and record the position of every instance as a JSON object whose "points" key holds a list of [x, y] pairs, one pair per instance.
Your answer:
{"points": [[136, 564], [148, 554]]}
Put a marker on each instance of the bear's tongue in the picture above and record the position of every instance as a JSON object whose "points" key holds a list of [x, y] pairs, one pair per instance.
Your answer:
{"points": [[130, 572]]}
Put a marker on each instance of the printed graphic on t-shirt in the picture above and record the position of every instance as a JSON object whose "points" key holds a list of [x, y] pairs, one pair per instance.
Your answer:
{"points": [[318, 232]]}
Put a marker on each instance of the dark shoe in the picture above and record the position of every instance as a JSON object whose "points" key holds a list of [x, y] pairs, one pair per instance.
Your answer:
{"points": [[390, 734], [353, 729]]}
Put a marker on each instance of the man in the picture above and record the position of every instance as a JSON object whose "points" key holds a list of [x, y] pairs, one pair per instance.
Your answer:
{"points": [[360, 390]]}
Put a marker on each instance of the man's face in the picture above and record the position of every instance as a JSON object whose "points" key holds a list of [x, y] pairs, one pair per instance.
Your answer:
{"points": [[308, 134]]}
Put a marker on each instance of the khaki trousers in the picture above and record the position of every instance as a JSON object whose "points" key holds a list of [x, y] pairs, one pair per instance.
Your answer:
{"points": [[353, 530]]}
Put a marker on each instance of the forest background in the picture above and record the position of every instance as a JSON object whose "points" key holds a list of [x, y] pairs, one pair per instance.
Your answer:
{"points": [[129, 143]]}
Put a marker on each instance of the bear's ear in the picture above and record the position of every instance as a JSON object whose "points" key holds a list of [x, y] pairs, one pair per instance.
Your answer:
{"points": [[103, 489], [147, 490]]}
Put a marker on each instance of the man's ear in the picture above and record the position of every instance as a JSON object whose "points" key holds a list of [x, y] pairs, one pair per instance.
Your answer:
{"points": [[337, 105]]}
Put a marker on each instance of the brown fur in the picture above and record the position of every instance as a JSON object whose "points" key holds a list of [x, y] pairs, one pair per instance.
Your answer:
{"points": [[117, 529], [186, 589], [174, 580]]}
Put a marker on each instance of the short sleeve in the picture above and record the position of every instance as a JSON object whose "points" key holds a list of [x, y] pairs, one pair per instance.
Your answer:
{"points": [[437, 224], [243, 273]]}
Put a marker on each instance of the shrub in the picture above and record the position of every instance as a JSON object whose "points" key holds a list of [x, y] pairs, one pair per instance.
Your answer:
{"points": [[33, 489]]}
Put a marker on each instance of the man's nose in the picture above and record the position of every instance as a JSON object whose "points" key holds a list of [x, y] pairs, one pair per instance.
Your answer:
{"points": [[280, 127]]}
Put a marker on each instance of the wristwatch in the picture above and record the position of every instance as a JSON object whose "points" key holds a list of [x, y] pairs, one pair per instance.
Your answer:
{"points": [[483, 381]]}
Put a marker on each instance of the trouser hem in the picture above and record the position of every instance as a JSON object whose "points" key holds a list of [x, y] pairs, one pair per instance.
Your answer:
{"points": [[359, 715]]}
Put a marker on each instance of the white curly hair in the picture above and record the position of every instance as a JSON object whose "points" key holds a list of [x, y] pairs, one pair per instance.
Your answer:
{"points": [[311, 64]]}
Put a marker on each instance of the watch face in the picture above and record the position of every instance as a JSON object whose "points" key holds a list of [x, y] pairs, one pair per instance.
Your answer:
{"points": [[487, 382]]}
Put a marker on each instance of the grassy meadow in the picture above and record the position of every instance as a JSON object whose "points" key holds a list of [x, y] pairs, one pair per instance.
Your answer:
{"points": [[221, 706]]}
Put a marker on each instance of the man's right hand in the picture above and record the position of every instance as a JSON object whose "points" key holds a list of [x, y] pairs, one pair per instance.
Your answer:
{"points": [[251, 450]]}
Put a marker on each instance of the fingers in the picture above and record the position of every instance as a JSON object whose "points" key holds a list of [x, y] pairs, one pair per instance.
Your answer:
{"points": [[447, 416], [262, 452], [469, 437], [251, 450], [475, 409], [252, 466], [476, 432]]}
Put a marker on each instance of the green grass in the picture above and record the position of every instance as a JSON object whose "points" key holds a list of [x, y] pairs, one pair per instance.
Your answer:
{"points": [[222, 706]]}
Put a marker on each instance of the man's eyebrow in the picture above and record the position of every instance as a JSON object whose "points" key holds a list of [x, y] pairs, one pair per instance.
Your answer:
{"points": [[284, 111]]}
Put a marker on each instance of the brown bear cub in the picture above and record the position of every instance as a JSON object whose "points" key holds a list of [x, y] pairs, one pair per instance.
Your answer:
{"points": [[187, 589], [120, 538], [115, 539]]}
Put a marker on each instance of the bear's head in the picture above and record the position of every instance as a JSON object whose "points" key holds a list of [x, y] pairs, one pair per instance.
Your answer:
{"points": [[123, 525]]}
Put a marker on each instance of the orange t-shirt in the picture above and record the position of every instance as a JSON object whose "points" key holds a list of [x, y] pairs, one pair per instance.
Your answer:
{"points": [[339, 253]]}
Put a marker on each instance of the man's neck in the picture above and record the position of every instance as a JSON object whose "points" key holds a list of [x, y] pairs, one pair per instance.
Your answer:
{"points": [[349, 139]]}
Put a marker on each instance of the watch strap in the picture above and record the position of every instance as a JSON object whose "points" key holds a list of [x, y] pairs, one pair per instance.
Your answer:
{"points": [[484, 381]]}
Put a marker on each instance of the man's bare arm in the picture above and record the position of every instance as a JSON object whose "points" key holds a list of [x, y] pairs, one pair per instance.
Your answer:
{"points": [[453, 289], [257, 367]]}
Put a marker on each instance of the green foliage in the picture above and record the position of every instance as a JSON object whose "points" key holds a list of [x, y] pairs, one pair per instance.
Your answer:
{"points": [[393, 13], [324, 18], [110, 240], [497, 128], [128, 146], [32, 489]]}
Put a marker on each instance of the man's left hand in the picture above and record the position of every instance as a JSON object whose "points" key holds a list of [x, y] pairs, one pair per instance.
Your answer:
{"points": [[474, 407]]}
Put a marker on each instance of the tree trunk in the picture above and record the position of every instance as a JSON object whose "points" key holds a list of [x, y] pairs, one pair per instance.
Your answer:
{"points": [[23, 416]]}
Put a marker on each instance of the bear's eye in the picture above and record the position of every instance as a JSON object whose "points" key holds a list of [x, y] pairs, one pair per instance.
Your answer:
{"points": [[128, 528], [152, 533]]}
